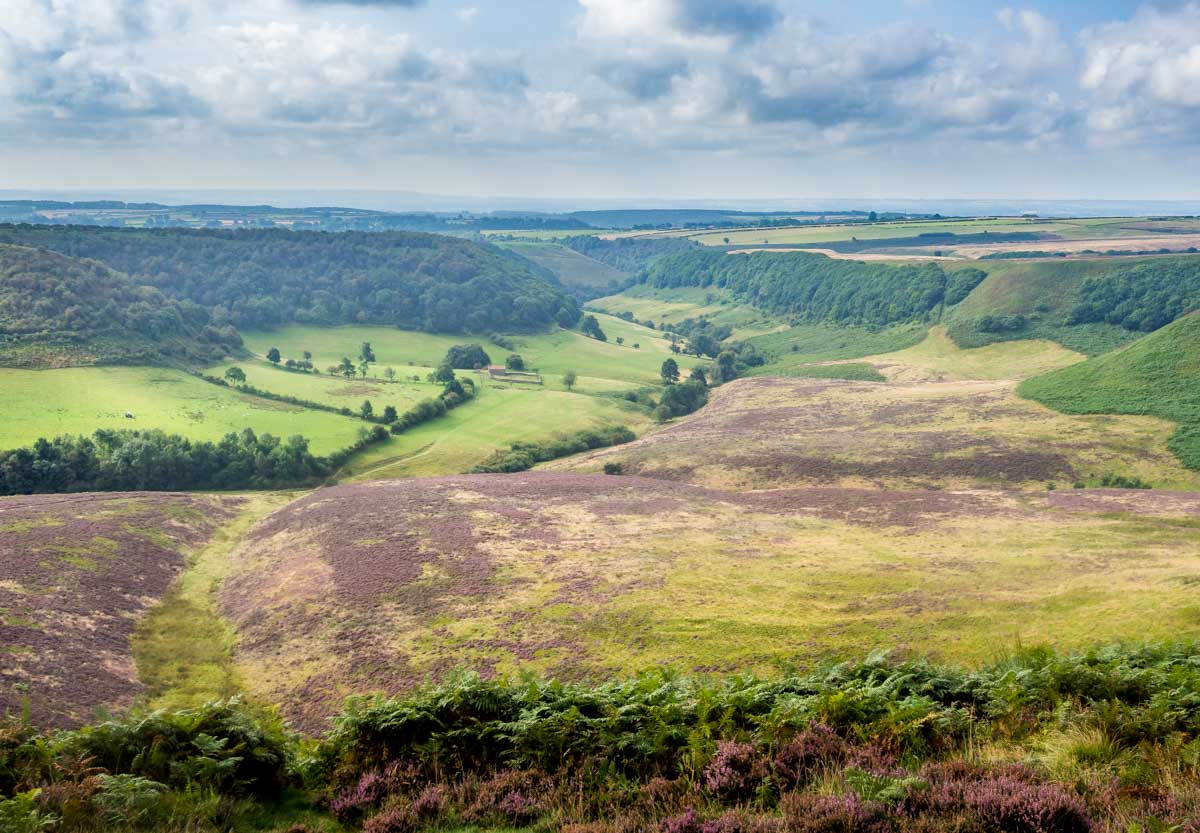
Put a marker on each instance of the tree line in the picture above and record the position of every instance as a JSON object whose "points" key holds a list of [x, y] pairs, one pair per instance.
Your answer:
{"points": [[813, 288], [1141, 297], [125, 460]]}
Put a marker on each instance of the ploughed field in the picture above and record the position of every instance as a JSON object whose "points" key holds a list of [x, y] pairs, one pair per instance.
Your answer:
{"points": [[381, 586], [77, 573]]}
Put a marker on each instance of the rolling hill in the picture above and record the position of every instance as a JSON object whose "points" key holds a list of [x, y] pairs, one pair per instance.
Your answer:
{"points": [[575, 271], [1089, 305], [1158, 375], [263, 278], [57, 311]]}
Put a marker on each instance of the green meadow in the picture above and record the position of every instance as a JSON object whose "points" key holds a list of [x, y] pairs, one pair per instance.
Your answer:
{"points": [[337, 391], [47, 403], [497, 418]]}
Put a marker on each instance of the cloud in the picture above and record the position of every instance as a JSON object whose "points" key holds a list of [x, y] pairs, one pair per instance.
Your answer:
{"points": [[743, 18], [402, 4], [467, 14], [1144, 74]]}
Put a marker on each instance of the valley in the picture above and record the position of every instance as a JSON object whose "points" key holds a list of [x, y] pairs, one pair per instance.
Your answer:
{"points": [[945, 461]]}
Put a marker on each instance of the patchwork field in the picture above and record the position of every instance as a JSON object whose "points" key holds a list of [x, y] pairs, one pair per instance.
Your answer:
{"points": [[77, 572], [47, 403], [969, 238], [586, 576]]}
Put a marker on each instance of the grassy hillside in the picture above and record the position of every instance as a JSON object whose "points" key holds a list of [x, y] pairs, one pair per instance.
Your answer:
{"points": [[58, 311], [600, 365], [46, 403], [1158, 375], [671, 306], [587, 576], [1090, 306], [264, 278], [573, 270], [772, 433], [496, 419]]}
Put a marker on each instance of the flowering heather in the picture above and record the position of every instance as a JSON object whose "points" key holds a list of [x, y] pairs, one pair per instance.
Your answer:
{"points": [[761, 433], [370, 790], [834, 814], [76, 574], [736, 771], [804, 757]]}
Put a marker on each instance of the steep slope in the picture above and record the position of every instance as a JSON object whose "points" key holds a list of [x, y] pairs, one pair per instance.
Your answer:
{"points": [[812, 288], [261, 278], [1158, 375], [576, 271], [1088, 305], [77, 572], [57, 311]]}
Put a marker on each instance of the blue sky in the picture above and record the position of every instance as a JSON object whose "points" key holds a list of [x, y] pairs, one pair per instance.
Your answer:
{"points": [[636, 99]]}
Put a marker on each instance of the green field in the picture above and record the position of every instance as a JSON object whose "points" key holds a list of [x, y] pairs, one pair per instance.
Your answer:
{"points": [[671, 306], [1158, 375], [339, 391], [496, 419], [1067, 229], [571, 267], [601, 366], [46, 403], [392, 347]]}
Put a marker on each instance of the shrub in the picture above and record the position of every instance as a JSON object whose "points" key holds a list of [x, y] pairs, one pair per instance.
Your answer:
{"points": [[613, 468], [804, 757], [735, 772], [847, 813]]}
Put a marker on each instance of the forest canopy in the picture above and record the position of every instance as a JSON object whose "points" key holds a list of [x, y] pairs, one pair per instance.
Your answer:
{"points": [[56, 309], [262, 278], [812, 287]]}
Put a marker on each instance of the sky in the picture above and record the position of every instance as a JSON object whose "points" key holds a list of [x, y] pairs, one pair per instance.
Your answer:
{"points": [[613, 99]]}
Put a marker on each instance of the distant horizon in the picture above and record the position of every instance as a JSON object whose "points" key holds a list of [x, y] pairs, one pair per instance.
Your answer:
{"points": [[401, 201]]}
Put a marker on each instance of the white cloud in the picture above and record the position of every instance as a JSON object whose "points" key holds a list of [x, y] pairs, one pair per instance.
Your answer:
{"points": [[727, 75], [1144, 74]]}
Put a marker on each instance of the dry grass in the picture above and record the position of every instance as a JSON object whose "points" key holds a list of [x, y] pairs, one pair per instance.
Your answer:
{"points": [[377, 587], [779, 433], [939, 359]]}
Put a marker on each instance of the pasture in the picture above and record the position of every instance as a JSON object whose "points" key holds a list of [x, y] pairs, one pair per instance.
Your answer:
{"points": [[609, 364], [497, 418], [568, 265], [339, 391], [47, 403]]}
